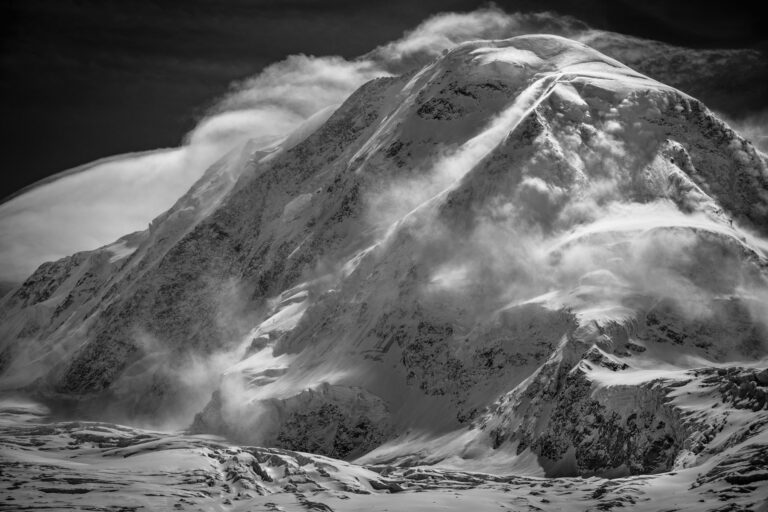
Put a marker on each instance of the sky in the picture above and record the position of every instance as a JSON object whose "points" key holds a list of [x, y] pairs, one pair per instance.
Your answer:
{"points": [[87, 79]]}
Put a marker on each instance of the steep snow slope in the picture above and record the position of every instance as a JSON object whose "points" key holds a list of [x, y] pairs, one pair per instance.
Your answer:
{"points": [[516, 258]]}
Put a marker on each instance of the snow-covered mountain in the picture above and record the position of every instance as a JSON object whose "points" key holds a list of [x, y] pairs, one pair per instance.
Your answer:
{"points": [[523, 258], [94, 204]]}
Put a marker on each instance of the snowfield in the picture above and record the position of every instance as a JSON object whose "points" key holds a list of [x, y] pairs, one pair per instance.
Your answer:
{"points": [[102, 466]]}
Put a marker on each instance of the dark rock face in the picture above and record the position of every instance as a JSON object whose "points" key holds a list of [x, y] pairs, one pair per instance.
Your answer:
{"points": [[519, 339], [577, 426], [663, 324], [645, 439], [335, 421], [743, 388], [342, 436]]}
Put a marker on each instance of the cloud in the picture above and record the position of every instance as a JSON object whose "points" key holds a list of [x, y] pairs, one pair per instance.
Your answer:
{"points": [[444, 31], [280, 98], [753, 127], [529, 231], [91, 207], [650, 251]]}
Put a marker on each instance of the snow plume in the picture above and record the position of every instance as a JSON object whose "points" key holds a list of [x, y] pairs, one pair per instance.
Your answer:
{"points": [[189, 378], [587, 242], [444, 31], [198, 374], [753, 128], [635, 255], [175, 382], [89, 207], [273, 103]]}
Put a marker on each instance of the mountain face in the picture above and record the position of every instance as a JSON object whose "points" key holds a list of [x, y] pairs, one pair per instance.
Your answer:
{"points": [[524, 257]]}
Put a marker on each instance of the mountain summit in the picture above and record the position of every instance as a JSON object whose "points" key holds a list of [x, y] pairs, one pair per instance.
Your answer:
{"points": [[522, 258]]}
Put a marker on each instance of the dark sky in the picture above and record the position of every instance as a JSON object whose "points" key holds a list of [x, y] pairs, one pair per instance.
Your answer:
{"points": [[84, 79]]}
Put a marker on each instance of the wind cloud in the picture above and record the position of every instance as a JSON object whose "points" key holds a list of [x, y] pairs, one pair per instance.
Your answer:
{"points": [[89, 207], [446, 30], [275, 102], [753, 127]]}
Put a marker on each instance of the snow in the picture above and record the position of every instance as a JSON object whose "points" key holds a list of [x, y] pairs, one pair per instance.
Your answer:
{"points": [[295, 206], [65, 469], [515, 56], [119, 250]]}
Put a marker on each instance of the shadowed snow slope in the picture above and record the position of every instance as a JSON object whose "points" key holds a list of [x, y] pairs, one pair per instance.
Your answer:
{"points": [[523, 258]]}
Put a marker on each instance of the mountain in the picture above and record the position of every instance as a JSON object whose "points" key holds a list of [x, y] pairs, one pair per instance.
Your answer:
{"points": [[55, 217], [522, 258], [726, 80]]}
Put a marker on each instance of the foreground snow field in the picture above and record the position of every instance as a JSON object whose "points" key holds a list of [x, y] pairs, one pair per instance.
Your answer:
{"points": [[103, 466]]}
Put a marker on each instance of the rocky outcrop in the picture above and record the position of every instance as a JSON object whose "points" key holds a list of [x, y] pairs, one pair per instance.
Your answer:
{"points": [[619, 431], [596, 417], [331, 420]]}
